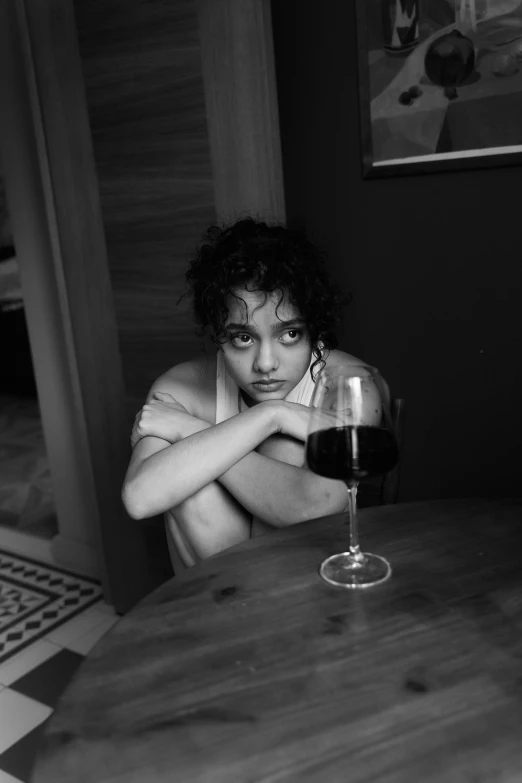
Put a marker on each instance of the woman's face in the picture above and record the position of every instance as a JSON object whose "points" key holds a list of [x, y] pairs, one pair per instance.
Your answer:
{"points": [[261, 346]]}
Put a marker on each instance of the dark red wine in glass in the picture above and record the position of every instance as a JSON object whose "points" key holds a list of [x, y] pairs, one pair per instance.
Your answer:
{"points": [[330, 452], [351, 436]]}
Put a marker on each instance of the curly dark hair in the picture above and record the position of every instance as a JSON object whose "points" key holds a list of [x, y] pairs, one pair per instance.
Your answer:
{"points": [[270, 258]]}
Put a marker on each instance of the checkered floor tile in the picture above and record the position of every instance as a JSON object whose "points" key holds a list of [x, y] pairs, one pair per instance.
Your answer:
{"points": [[35, 598], [42, 652], [30, 701]]}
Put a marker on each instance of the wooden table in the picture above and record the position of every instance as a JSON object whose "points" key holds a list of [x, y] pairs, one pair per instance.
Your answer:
{"points": [[250, 668]]}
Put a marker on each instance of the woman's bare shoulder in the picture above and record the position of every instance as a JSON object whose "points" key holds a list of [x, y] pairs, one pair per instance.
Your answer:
{"points": [[194, 381], [337, 358], [344, 360]]}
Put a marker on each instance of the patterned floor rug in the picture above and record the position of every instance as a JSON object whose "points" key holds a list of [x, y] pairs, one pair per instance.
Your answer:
{"points": [[35, 598]]}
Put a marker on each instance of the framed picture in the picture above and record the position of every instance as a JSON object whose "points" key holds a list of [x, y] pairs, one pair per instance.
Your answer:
{"points": [[440, 84]]}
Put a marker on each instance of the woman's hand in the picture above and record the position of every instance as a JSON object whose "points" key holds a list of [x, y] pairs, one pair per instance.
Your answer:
{"points": [[162, 417], [293, 419]]}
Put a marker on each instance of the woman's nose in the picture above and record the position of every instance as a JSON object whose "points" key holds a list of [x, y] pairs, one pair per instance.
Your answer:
{"points": [[266, 360]]}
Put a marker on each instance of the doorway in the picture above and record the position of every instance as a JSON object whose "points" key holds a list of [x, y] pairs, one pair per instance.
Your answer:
{"points": [[27, 509]]}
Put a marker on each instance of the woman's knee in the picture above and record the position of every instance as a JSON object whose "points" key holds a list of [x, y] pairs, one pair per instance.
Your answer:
{"points": [[210, 521]]}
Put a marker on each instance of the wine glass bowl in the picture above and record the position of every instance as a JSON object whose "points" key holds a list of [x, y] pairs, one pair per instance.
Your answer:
{"points": [[351, 435]]}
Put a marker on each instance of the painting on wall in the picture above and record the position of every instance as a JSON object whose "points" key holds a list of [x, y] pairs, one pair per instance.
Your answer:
{"points": [[440, 84]]}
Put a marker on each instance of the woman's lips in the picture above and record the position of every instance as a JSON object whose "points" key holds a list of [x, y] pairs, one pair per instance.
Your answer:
{"points": [[268, 387]]}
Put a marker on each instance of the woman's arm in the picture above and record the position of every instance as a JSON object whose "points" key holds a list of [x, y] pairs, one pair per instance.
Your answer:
{"points": [[162, 475], [272, 484], [280, 493], [283, 449]]}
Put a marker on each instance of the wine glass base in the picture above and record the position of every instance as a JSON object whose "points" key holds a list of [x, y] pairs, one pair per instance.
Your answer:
{"points": [[343, 570]]}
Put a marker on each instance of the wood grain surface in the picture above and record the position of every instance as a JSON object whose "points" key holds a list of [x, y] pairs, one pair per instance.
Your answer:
{"points": [[183, 112], [142, 70], [241, 98], [249, 668]]}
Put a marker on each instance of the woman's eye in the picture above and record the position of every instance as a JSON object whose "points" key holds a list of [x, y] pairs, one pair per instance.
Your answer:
{"points": [[294, 334], [238, 336]]}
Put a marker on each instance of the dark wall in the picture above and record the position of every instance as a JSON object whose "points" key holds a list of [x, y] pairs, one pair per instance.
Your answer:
{"points": [[433, 261]]}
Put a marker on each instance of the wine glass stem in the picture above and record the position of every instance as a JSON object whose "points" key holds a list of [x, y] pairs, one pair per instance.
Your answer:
{"points": [[352, 516]]}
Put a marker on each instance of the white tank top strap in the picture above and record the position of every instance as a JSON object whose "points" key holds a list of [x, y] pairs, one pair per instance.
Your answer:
{"points": [[227, 391], [302, 393]]}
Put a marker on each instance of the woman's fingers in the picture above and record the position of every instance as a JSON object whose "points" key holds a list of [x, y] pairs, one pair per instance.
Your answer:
{"points": [[165, 396]]}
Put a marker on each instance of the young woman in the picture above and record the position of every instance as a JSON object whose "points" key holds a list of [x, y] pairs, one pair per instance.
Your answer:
{"points": [[219, 444]]}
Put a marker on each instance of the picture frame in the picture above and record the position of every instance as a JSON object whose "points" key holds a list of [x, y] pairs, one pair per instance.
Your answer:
{"points": [[468, 115]]}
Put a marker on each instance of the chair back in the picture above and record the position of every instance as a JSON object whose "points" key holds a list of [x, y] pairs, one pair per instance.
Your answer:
{"points": [[382, 490]]}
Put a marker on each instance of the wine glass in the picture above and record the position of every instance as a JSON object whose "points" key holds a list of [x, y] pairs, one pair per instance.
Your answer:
{"points": [[350, 436]]}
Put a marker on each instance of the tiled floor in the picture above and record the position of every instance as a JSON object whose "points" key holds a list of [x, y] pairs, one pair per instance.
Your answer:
{"points": [[32, 680], [49, 618]]}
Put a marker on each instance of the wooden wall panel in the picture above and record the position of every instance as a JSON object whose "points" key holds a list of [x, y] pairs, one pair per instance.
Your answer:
{"points": [[142, 71], [240, 88]]}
